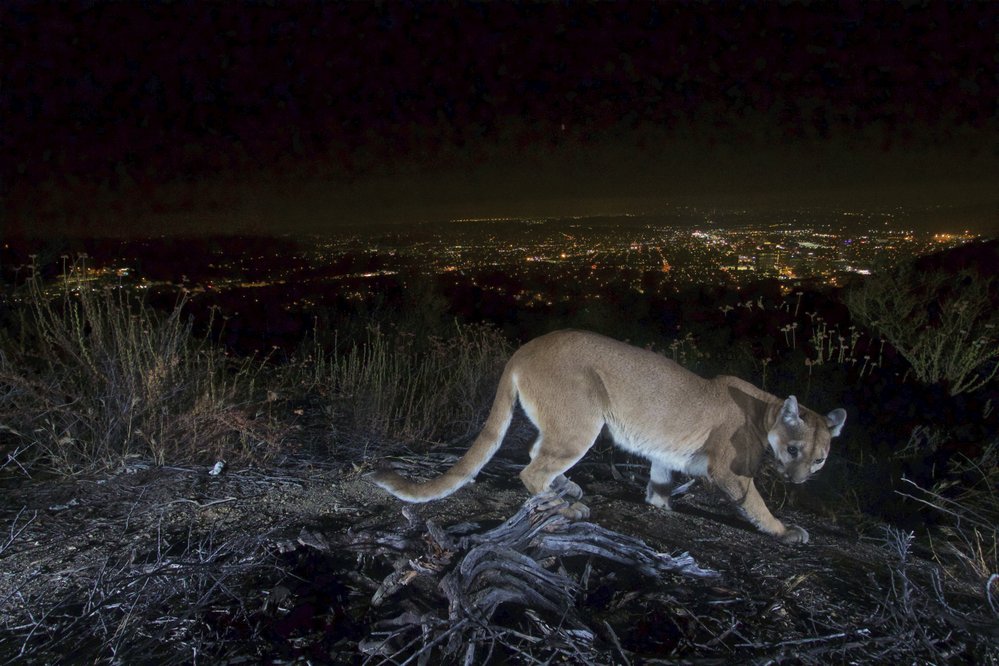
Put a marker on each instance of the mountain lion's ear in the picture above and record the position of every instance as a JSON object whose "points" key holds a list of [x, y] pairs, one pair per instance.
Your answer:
{"points": [[789, 412], [835, 420]]}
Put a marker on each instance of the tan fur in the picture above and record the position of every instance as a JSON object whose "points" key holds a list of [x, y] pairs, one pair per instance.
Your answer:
{"points": [[573, 383]]}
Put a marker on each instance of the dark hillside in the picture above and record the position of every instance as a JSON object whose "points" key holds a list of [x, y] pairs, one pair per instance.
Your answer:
{"points": [[122, 546]]}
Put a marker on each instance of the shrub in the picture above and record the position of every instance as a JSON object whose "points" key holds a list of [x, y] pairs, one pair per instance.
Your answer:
{"points": [[92, 377], [945, 325]]}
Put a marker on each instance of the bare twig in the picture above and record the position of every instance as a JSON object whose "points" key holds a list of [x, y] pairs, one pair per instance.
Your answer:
{"points": [[15, 530], [617, 642], [200, 505]]}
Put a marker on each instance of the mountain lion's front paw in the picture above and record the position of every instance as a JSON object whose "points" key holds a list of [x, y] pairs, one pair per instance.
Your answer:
{"points": [[794, 534]]}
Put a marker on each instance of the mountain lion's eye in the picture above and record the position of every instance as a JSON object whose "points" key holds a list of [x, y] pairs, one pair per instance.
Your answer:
{"points": [[819, 461], [792, 451]]}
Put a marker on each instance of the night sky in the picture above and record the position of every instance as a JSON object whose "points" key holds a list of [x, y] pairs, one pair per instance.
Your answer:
{"points": [[154, 118]]}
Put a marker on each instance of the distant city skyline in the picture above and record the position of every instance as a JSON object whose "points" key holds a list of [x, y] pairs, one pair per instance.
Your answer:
{"points": [[516, 273], [723, 249]]}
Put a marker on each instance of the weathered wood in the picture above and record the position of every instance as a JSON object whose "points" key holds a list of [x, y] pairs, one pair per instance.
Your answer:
{"points": [[511, 564]]}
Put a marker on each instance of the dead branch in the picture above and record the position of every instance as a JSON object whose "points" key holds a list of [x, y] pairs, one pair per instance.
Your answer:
{"points": [[511, 565]]}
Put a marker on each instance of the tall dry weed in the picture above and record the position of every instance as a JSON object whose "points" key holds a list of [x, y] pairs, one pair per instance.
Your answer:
{"points": [[394, 386], [94, 376]]}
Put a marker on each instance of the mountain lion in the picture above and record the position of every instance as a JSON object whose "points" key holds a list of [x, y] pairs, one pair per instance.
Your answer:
{"points": [[572, 383]]}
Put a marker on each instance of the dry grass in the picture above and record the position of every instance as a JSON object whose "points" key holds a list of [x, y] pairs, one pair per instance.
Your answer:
{"points": [[395, 387], [92, 377], [170, 605], [966, 504]]}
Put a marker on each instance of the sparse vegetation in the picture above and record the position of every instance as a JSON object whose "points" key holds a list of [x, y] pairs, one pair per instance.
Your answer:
{"points": [[391, 387], [92, 378], [154, 606], [946, 325], [966, 539], [98, 381]]}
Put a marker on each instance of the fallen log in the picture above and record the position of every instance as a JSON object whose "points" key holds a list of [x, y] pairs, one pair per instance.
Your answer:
{"points": [[512, 565]]}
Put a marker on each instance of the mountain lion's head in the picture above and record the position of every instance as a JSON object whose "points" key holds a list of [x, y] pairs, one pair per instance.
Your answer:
{"points": [[800, 439]]}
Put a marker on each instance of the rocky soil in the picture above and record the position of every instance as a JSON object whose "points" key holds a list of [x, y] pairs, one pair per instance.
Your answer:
{"points": [[308, 562]]}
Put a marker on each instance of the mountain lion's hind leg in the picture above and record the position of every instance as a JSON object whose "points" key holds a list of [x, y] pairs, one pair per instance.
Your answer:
{"points": [[660, 486], [570, 489], [555, 453]]}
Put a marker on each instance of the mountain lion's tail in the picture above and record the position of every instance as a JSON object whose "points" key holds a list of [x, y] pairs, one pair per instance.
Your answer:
{"points": [[463, 471]]}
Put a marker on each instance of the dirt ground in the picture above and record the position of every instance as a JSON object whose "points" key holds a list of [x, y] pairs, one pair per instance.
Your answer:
{"points": [[280, 565]]}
